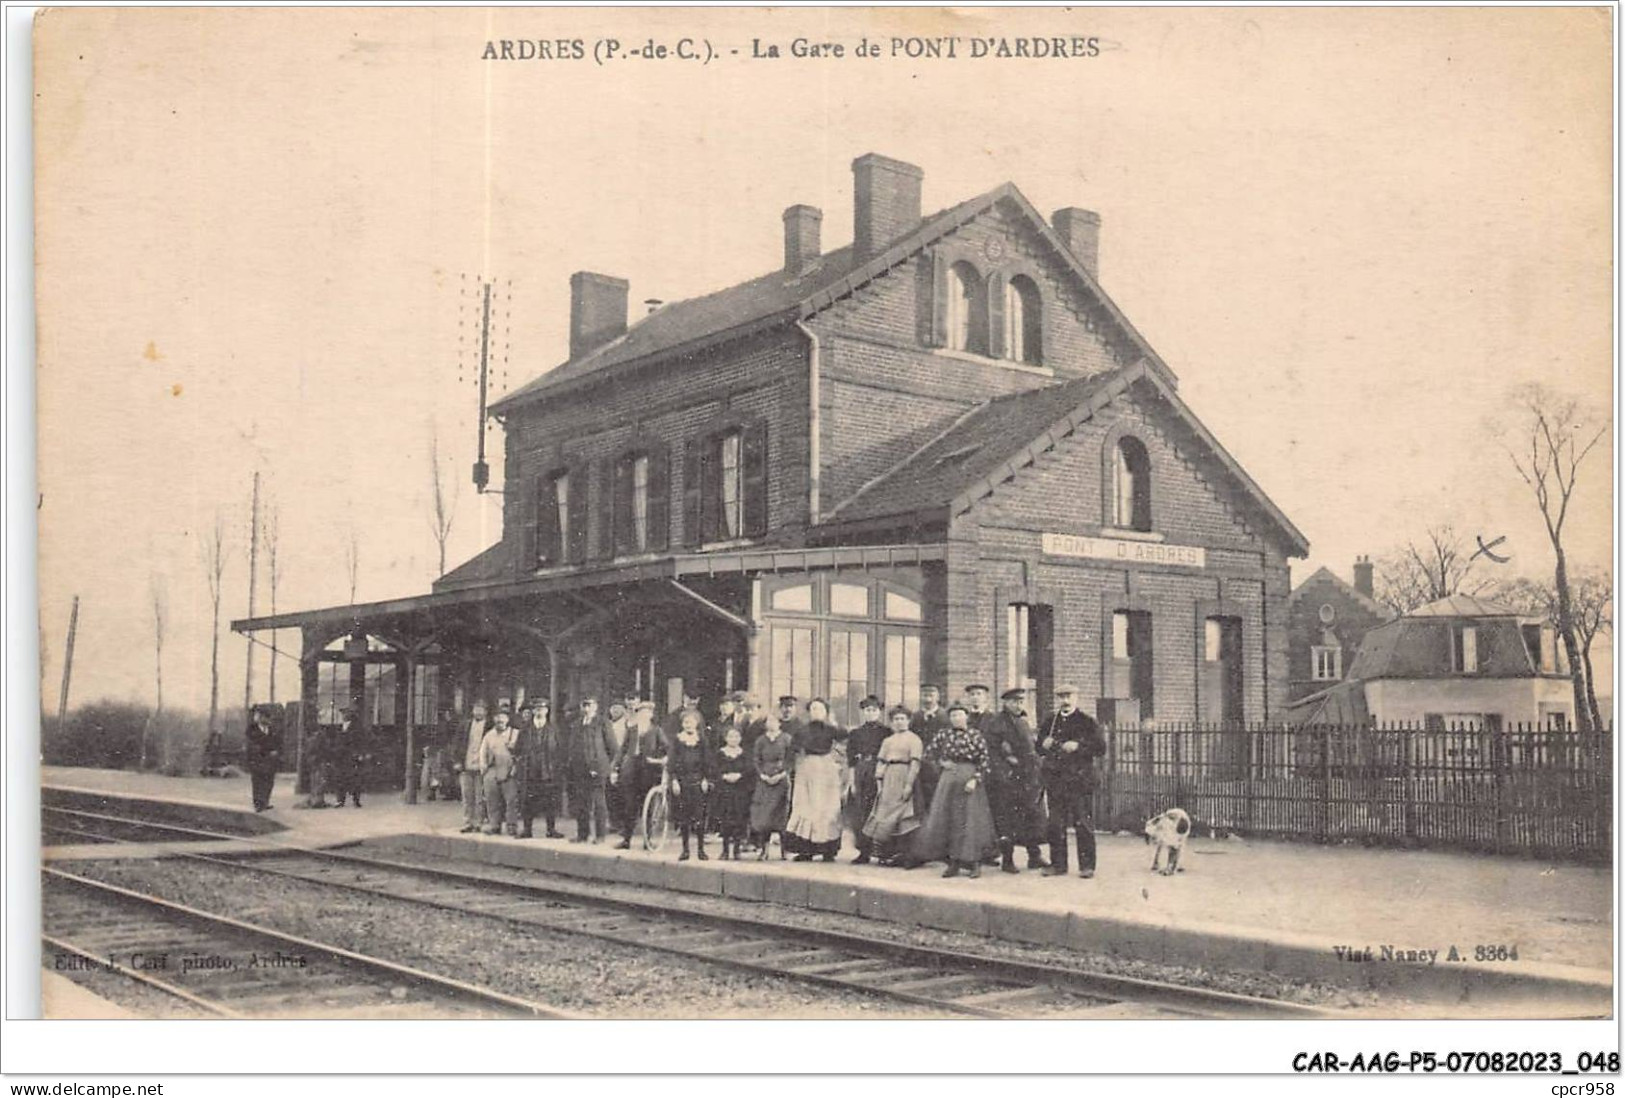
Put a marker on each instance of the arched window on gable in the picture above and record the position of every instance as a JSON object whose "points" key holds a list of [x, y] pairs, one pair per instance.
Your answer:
{"points": [[1132, 495], [967, 310], [1023, 321]]}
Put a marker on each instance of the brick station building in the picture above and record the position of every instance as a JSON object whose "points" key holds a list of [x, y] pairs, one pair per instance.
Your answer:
{"points": [[940, 454]]}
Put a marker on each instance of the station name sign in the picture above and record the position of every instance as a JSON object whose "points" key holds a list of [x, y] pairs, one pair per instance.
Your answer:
{"points": [[1123, 550]]}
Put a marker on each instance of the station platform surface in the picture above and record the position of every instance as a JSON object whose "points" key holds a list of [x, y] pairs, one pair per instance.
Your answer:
{"points": [[1263, 906]]}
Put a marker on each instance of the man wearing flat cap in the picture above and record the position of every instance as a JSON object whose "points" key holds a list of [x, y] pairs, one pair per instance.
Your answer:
{"points": [[926, 722], [263, 751], [1015, 788], [587, 752], [636, 767], [790, 724], [1068, 746]]}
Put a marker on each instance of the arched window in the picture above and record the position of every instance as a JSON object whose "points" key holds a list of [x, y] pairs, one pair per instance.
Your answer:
{"points": [[1133, 485], [1022, 320], [967, 313]]}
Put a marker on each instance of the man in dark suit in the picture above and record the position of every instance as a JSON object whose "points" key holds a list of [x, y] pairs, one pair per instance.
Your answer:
{"points": [[927, 721], [1069, 744], [1014, 786], [588, 751], [790, 724], [637, 766], [262, 753]]}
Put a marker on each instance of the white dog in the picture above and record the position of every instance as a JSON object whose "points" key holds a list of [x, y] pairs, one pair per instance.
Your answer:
{"points": [[1168, 831]]}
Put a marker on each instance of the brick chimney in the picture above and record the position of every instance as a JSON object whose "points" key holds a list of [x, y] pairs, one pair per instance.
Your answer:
{"points": [[801, 243], [597, 311], [1363, 576], [885, 202], [1080, 232]]}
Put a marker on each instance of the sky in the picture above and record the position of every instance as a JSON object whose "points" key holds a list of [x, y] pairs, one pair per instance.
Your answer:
{"points": [[1350, 232]]}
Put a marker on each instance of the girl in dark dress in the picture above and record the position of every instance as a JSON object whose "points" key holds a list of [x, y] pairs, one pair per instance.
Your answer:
{"points": [[690, 766], [735, 779], [772, 755]]}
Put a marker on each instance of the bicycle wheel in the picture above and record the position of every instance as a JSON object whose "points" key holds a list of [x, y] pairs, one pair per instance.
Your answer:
{"points": [[656, 819]]}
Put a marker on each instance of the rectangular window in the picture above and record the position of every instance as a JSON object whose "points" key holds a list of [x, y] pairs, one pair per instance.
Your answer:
{"points": [[902, 670], [1221, 669], [1131, 671], [792, 662], [378, 697], [332, 690], [1464, 649], [1017, 655], [552, 519], [425, 694], [561, 511], [640, 502], [733, 498], [848, 673], [1326, 663]]}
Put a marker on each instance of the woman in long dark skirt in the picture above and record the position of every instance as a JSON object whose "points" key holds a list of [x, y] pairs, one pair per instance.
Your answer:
{"points": [[959, 826], [771, 756]]}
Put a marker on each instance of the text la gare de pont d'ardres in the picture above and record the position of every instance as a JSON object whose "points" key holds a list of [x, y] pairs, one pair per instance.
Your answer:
{"points": [[913, 48]]}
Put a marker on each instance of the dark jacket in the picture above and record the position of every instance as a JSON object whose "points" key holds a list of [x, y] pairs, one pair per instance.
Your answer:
{"points": [[588, 746], [1010, 738], [927, 725], [540, 753], [262, 750], [692, 765], [1073, 767], [648, 748]]}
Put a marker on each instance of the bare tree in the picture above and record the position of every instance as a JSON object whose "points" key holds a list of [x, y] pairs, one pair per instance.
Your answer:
{"points": [[1424, 570], [253, 578], [273, 574], [352, 558], [1591, 602], [160, 621], [445, 510], [1554, 435], [214, 553]]}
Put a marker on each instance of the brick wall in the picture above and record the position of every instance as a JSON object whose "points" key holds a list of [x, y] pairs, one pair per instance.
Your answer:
{"points": [[995, 559], [1304, 630], [673, 402], [884, 390]]}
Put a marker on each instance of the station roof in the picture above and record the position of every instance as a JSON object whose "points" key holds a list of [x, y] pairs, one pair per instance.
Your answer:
{"points": [[422, 610], [780, 298]]}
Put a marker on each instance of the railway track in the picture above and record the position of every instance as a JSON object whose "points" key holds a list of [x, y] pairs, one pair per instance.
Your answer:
{"points": [[71, 825], [231, 968], [939, 980]]}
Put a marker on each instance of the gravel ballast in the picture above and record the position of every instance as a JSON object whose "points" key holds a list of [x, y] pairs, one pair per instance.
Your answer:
{"points": [[560, 969]]}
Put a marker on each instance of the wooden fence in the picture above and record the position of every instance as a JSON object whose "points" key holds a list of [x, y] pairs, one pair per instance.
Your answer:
{"points": [[1518, 789]]}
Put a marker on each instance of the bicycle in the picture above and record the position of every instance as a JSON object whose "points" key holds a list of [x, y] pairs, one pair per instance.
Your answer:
{"points": [[656, 814]]}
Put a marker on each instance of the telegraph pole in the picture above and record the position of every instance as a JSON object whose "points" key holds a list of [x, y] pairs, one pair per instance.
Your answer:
{"points": [[67, 666], [482, 471]]}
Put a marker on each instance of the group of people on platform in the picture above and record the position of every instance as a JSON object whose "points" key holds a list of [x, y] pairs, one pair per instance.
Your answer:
{"points": [[962, 784], [335, 758]]}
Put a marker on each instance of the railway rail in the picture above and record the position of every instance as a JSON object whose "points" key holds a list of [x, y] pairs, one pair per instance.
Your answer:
{"points": [[939, 980], [232, 968]]}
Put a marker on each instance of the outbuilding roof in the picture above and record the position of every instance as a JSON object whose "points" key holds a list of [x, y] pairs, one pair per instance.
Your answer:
{"points": [[999, 437]]}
